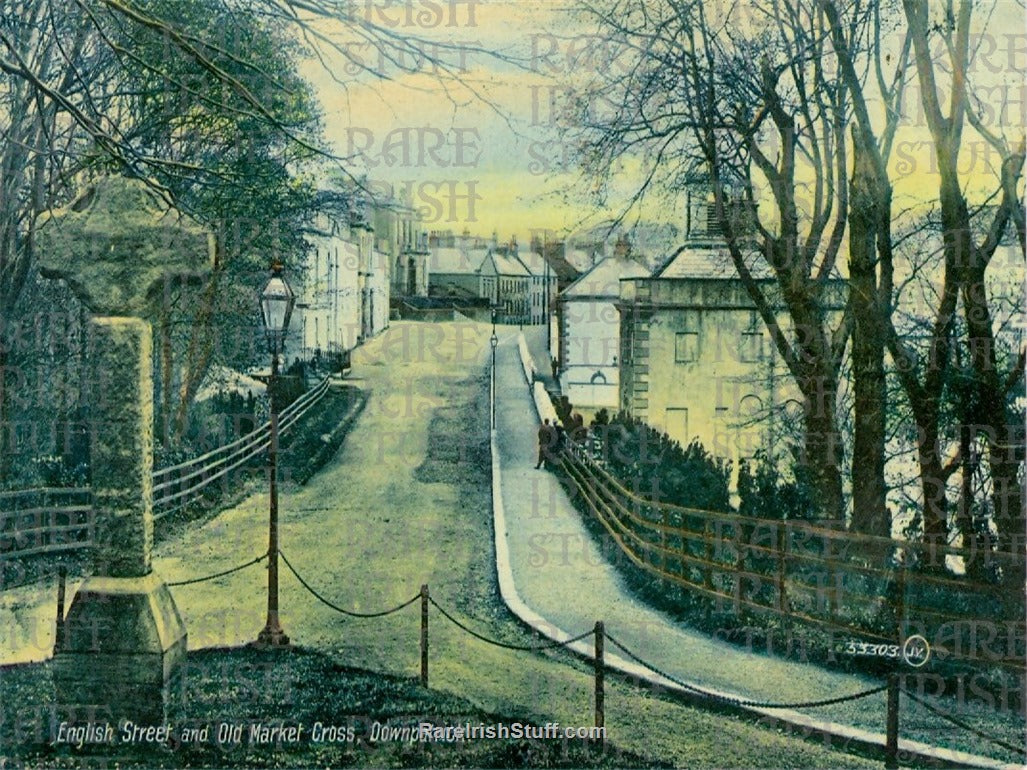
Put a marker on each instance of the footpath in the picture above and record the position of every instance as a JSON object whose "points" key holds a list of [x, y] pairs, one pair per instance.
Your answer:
{"points": [[554, 576]]}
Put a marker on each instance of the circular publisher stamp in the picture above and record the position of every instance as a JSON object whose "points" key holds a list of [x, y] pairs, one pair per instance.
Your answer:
{"points": [[916, 651]]}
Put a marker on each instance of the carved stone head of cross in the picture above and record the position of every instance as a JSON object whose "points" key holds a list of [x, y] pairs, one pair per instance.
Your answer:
{"points": [[117, 242]]}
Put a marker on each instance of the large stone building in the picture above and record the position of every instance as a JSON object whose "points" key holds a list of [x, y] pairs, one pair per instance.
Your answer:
{"points": [[694, 354], [696, 360]]}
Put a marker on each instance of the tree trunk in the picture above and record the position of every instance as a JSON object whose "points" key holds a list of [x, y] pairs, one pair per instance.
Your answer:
{"points": [[869, 511], [933, 488], [822, 450], [197, 358], [1004, 440], [5, 430]]}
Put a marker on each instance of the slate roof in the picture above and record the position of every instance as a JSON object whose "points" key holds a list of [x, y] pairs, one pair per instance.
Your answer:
{"points": [[448, 259], [534, 262], [508, 266], [708, 261], [603, 280]]}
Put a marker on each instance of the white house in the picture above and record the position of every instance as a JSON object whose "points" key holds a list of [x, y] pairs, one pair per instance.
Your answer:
{"points": [[326, 320], [542, 293], [589, 336]]}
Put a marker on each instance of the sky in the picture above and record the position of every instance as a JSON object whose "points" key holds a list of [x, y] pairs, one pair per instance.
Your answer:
{"points": [[482, 153]]}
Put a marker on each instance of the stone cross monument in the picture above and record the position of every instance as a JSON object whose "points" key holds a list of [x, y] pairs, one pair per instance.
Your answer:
{"points": [[115, 245]]}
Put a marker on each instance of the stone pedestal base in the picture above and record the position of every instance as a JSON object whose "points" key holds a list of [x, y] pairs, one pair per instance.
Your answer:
{"points": [[123, 642]]}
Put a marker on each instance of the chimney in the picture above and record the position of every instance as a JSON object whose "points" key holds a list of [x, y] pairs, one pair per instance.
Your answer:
{"points": [[622, 248]]}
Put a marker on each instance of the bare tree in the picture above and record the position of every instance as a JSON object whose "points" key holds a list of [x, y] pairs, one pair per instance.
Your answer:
{"points": [[755, 101], [763, 96], [969, 246]]}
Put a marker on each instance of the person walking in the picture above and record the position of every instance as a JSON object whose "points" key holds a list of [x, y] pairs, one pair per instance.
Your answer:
{"points": [[545, 441]]}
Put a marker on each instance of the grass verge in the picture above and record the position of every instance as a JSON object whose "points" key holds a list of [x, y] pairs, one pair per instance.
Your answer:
{"points": [[345, 717]]}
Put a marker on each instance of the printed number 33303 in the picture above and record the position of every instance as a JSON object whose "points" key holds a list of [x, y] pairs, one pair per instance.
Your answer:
{"points": [[873, 650]]}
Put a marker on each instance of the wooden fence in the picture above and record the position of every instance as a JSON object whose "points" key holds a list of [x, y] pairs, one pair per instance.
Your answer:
{"points": [[53, 520], [856, 587], [45, 520]]}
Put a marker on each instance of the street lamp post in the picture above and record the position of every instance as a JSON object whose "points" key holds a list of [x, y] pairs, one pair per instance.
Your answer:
{"points": [[494, 342], [276, 304]]}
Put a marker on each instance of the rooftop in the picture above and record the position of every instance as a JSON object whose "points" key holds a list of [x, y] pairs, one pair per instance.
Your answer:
{"points": [[603, 280]]}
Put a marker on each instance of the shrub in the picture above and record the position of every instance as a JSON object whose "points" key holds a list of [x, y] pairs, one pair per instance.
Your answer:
{"points": [[655, 466], [765, 493]]}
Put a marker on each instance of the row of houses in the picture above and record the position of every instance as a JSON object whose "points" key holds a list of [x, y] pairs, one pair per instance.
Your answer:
{"points": [[371, 256], [518, 283], [675, 341], [362, 254]]}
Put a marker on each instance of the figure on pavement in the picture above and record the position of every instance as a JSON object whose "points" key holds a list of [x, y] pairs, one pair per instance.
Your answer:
{"points": [[545, 441]]}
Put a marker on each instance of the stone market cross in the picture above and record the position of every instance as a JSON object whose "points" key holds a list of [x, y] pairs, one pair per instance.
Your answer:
{"points": [[115, 245]]}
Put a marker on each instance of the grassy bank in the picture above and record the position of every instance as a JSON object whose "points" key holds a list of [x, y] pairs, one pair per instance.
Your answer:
{"points": [[342, 712]]}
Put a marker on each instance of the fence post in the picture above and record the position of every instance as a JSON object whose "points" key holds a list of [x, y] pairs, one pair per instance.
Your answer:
{"points": [[599, 674], [739, 567], [900, 610], [62, 577], [782, 543], [663, 539], [424, 635], [832, 578], [707, 570], [891, 744]]}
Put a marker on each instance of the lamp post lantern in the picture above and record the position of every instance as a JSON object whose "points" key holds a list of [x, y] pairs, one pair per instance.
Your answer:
{"points": [[276, 304], [494, 342]]}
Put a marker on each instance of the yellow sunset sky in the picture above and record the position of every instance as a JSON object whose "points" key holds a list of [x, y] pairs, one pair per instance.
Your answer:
{"points": [[488, 138]]}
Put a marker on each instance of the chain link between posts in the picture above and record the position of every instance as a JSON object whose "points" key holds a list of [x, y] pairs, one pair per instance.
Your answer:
{"points": [[1019, 751], [250, 563], [505, 645], [742, 701], [337, 608]]}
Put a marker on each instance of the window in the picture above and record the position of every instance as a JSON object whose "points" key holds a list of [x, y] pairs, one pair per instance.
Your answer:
{"points": [[675, 424], [686, 347], [752, 347]]}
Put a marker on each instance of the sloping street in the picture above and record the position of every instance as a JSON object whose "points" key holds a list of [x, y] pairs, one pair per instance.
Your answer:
{"points": [[404, 503]]}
